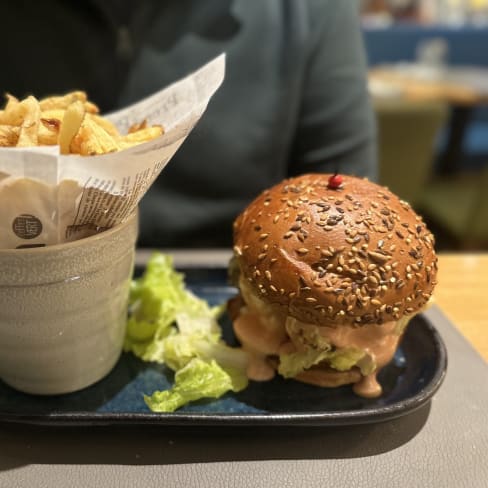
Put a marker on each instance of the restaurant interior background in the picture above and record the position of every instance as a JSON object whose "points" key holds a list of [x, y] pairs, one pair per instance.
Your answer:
{"points": [[428, 76]]}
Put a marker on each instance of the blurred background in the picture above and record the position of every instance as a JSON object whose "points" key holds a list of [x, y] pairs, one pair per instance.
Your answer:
{"points": [[428, 76]]}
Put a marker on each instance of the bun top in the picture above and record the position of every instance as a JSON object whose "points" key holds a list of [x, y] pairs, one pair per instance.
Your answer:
{"points": [[352, 254]]}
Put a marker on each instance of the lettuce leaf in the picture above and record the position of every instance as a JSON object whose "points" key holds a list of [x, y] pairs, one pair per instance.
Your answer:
{"points": [[155, 300], [169, 324], [339, 359], [198, 379], [181, 348]]}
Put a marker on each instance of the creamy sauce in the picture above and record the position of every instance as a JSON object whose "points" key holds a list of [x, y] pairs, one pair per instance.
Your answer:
{"points": [[379, 341], [368, 386], [256, 334], [259, 342], [258, 368], [264, 330]]}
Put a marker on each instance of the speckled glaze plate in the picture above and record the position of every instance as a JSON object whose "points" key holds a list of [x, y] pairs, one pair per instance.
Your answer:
{"points": [[409, 381]]}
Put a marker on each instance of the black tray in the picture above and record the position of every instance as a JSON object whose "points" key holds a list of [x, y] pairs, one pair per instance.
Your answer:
{"points": [[409, 381]]}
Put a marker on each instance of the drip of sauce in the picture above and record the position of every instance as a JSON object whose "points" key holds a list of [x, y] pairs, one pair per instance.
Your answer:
{"points": [[258, 368], [368, 386], [259, 342]]}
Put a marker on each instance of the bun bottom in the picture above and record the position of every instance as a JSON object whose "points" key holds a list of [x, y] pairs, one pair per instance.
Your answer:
{"points": [[328, 377]]}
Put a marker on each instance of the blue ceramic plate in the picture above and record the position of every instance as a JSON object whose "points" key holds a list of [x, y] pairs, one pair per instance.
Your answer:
{"points": [[409, 381]]}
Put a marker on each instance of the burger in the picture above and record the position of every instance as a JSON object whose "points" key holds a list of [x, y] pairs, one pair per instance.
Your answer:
{"points": [[330, 269]]}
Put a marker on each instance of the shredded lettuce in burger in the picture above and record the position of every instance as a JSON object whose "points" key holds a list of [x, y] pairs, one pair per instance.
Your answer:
{"points": [[316, 349], [340, 359], [169, 324]]}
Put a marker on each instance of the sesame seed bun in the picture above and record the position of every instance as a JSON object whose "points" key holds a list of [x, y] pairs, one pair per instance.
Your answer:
{"points": [[352, 255]]}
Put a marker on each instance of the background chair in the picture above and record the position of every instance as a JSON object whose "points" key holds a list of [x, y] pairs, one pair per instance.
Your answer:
{"points": [[407, 134], [459, 206]]}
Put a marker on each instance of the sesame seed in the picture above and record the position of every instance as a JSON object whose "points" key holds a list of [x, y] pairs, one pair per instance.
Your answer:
{"points": [[373, 280], [311, 300], [267, 274], [375, 256], [261, 256], [273, 288], [302, 250]]}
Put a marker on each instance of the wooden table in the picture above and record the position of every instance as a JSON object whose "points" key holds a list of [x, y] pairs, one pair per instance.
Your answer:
{"points": [[462, 294], [460, 86]]}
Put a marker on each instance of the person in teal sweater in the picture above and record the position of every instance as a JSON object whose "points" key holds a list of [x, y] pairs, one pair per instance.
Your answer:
{"points": [[294, 99]]}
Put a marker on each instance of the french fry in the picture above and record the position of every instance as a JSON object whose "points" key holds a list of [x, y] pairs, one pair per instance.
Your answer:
{"points": [[75, 146], [13, 114], [137, 126], [96, 140], [105, 124], [91, 108], [48, 132], [140, 136], [9, 135], [30, 124], [63, 102], [53, 114], [72, 120]]}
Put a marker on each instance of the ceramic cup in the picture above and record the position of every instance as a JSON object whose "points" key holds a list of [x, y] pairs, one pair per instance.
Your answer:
{"points": [[63, 310]]}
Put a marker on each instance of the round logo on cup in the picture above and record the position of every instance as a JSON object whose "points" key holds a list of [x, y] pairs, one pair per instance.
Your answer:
{"points": [[27, 226]]}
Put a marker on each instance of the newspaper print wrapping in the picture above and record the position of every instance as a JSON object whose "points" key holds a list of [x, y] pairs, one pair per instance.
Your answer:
{"points": [[47, 198]]}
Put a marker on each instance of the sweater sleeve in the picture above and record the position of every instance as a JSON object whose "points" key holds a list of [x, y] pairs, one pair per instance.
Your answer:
{"points": [[336, 126]]}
